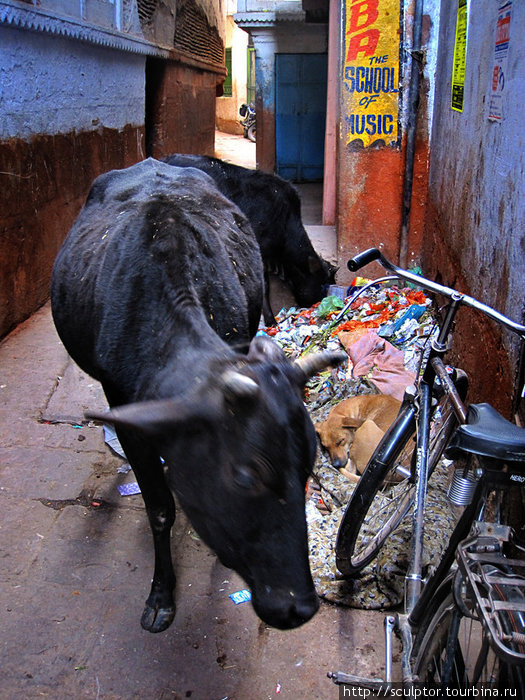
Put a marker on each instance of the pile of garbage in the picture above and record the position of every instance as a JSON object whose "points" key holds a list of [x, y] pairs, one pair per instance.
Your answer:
{"points": [[385, 331]]}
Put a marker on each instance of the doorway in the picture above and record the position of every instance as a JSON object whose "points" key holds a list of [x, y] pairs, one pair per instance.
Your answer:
{"points": [[155, 70], [300, 118]]}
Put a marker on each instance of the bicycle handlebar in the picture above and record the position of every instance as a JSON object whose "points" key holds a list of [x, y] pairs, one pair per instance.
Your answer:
{"points": [[363, 258], [372, 254]]}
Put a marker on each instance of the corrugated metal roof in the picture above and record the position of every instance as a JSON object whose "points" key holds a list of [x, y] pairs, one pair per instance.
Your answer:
{"points": [[50, 23]]}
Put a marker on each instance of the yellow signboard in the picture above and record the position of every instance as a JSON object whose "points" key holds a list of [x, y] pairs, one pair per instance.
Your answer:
{"points": [[460, 57], [371, 72]]}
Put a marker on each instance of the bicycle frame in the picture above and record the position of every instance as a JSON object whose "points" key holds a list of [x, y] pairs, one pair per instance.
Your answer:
{"points": [[410, 621], [435, 367]]}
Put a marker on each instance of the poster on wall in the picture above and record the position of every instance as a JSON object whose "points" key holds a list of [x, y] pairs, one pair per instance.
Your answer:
{"points": [[499, 70], [371, 72], [460, 58]]}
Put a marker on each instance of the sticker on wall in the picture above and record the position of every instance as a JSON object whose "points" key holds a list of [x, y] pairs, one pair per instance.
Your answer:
{"points": [[460, 58], [499, 70], [371, 72]]}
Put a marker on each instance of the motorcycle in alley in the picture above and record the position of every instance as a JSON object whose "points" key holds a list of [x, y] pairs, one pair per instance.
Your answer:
{"points": [[249, 121]]}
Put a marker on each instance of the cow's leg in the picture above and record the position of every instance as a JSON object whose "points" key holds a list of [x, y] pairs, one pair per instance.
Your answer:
{"points": [[159, 609], [268, 316]]}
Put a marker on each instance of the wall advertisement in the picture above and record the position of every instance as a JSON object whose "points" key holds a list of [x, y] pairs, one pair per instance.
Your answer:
{"points": [[460, 58], [371, 72], [500, 61]]}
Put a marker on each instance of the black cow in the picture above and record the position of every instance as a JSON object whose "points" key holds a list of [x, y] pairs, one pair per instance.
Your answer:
{"points": [[273, 208], [157, 283]]}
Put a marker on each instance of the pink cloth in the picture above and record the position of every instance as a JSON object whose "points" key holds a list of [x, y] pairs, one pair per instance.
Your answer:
{"points": [[372, 353]]}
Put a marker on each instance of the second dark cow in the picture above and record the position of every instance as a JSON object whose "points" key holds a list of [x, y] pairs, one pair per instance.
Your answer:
{"points": [[155, 290], [273, 208]]}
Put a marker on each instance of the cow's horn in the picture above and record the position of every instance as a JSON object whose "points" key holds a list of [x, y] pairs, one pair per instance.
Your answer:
{"points": [[237, 385], [312, 364], [148, 416]]}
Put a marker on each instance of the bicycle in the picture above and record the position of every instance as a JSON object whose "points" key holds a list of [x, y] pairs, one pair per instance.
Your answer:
{"points": [[478, 579]]}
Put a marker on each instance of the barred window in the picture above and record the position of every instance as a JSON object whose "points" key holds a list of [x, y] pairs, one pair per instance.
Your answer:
{"points": [[146, 10], [194, 34], [227, 88], [250, 77]]}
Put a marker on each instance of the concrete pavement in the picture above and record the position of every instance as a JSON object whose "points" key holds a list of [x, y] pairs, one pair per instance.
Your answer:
{"points": [[77, 558]]}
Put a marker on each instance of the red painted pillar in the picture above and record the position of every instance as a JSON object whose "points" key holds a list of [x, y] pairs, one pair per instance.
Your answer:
{"points": [[371, 163], [372, 141]]}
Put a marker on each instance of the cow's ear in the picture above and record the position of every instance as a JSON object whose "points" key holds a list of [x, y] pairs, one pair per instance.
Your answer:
{"points": [[151, 417], [332, 270]]}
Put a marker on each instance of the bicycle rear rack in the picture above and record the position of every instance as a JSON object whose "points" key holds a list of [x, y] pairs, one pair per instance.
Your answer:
{"points": [[488, 577], [490, 585]]}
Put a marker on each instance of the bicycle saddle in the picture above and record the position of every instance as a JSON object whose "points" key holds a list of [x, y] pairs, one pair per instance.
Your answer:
{"points": [[487, 433]]}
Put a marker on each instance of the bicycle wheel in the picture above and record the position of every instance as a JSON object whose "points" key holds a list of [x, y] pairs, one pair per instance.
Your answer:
{"points": [[386, 491], [474, 662]]}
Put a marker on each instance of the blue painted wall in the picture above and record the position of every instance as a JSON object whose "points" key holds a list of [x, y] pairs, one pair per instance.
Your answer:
{"points": [[53, 85], [475, 228], [477, 168]]}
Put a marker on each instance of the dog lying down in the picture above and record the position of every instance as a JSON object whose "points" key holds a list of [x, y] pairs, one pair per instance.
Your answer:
{"points": [[353, 429]]}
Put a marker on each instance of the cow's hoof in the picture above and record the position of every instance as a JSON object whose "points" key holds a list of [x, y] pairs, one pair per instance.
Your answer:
{"points": [[157, 619]]}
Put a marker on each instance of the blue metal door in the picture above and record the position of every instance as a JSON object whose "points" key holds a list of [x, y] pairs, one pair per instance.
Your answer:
{"points": [[300, 105]]}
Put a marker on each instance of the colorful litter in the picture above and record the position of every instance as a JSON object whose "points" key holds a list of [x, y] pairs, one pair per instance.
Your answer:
{"points": [[395, 321], [241, 596], [128, 489]]}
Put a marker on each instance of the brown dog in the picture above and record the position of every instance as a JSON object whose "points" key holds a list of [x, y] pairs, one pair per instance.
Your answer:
{"points": [[353, 429]]}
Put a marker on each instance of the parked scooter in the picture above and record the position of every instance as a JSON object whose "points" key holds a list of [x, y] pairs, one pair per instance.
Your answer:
{"points": [[249, 122]]}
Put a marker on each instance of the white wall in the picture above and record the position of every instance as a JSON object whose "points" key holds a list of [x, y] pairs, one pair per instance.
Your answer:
{"points": [[227, 108]]}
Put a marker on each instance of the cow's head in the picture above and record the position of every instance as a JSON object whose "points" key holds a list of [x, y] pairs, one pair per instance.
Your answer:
{"points": [[311, 284], [238, 453]]}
